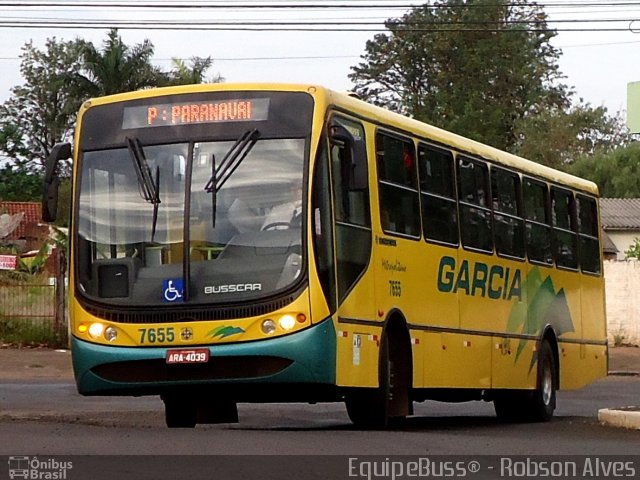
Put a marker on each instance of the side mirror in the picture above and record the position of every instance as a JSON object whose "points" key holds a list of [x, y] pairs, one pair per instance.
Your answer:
{"points": [[60, 151], [355, 153]]}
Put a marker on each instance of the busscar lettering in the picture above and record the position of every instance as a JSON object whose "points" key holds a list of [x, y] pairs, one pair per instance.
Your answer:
{"points": [[479, 279], [232, 288]]}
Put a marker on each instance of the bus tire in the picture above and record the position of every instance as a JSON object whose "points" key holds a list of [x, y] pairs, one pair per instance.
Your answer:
{"points": [[543, 399], [179, 412], [387, 405], [532, 405]]}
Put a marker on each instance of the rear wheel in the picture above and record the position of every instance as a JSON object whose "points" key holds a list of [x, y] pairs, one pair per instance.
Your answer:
{"points": [[532, 406]]}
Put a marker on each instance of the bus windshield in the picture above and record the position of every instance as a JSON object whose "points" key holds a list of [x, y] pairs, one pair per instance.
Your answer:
{"points": [[136, 232]]}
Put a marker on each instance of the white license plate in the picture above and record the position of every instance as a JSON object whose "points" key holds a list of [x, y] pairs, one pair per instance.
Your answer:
{"points": [[193, 355]]}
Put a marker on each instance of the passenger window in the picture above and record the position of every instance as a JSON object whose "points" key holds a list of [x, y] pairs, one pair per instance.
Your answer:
{"points": [[475, 213], [438, 195], [399, 203], [537, 225], [566, 242], [589, 238], [507, 219]]}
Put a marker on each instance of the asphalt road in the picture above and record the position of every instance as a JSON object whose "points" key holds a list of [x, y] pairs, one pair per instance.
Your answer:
{"points": [[51, 418], [125, 438]]}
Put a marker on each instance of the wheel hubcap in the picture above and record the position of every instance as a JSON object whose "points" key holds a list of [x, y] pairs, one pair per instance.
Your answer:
{"points": [[547, 387]]}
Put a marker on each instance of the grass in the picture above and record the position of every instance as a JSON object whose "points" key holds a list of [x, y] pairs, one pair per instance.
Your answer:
{"points": [[23, 332]]}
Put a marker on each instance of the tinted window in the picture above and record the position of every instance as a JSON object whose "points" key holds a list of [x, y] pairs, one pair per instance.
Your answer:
{"points": [[589, 243], [537, 227], [438, 195], [508, 223], [565, 238], [475, 214], [399, 203]]}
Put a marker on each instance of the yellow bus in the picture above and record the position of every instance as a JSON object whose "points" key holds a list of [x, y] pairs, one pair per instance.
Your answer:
{"points": [[288, 243]]}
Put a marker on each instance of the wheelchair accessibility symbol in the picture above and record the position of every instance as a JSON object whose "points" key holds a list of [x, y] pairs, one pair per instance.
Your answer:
{"points": [[173, 290]]}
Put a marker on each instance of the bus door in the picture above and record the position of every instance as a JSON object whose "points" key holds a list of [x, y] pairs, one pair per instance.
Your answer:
{"points": [[358, 343]]}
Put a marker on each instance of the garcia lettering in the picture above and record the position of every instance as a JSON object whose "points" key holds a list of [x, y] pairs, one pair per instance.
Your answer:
{"points": [[476, 278]]}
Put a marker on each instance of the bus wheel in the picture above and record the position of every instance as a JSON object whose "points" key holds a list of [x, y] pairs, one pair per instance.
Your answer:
{"points": [[179, 412], [543, 400], [532, 406], [374, 408]]}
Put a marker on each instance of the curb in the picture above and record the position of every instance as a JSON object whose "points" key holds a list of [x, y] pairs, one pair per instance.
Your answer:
{"points": [[626, 417], [623, 373]]}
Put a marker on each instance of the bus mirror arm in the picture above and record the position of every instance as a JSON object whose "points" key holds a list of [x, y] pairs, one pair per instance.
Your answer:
{"points": [[359, 180], [60, 151]]}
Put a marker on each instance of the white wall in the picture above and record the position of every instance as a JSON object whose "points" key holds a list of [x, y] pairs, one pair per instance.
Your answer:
{"points": [[623, 241], [622, 294]]}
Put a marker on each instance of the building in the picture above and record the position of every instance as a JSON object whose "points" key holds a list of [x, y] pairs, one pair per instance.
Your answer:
{"points": [[621, 224]]}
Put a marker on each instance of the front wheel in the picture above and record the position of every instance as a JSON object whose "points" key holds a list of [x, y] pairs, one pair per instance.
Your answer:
{"points": [[179, 412], [378, 408]]}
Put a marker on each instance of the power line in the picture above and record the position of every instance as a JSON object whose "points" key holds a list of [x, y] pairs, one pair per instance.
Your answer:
{"points": [[295, 6]]}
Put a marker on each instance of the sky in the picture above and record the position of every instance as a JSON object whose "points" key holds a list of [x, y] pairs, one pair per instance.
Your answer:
{"points": [[598, 64]]}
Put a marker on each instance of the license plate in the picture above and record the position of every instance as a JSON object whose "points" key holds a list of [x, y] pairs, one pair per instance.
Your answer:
{"points": [[194, 355]]}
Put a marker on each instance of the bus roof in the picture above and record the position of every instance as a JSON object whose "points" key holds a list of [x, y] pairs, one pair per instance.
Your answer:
{"points": [[379, 115]]}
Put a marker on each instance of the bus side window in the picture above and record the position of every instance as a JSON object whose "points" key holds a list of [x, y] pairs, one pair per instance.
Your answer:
{"points": [[475, 211], [589, 247], [438, 195], [397, 184], [537, 224], [564, 231], [507, 216]]}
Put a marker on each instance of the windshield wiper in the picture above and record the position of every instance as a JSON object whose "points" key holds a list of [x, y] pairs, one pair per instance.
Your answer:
{"points": [[149, 189], [231, 161]]}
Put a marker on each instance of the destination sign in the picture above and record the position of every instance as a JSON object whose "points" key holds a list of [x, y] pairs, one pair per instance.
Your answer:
{"points": [[193, 113]]}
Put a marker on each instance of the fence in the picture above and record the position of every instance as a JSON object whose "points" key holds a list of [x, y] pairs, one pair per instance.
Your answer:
{"points": [[33, 312]]}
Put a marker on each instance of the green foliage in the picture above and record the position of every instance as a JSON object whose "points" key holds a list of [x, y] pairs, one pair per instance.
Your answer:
{"points": [[116, 68], [21, 332], [18, 184], [41, 112], [557, 137], [487, 71], [616, 173], [183, 73], [478, 81], [634, 250]]}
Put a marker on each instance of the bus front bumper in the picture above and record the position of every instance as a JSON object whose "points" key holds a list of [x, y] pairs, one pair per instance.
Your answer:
{"points": [[243, 370]]}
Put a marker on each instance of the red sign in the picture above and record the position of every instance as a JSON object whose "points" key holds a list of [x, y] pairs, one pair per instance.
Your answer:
{"points": [[8, 262]]}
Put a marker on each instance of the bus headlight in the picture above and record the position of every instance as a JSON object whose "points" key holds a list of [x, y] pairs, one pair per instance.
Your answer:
{"points": [[110, 334], [95, 330], [287, 322], [268, 326]]}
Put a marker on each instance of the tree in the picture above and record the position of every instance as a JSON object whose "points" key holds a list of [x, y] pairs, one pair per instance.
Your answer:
{"points": [[616, 173], [19, 185], [183, 73], [42, 111], [557, 137], [117, 67], [474, 67]]}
